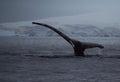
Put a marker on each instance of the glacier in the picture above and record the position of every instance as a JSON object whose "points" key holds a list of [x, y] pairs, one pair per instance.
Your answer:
{"points": [[92, 25]]}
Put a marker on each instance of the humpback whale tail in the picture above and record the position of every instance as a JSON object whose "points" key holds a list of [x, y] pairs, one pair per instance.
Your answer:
{"points": [[78, 46]]}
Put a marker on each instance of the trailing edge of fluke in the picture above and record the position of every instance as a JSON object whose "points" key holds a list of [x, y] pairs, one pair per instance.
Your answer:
{"points": [[78, 46]]}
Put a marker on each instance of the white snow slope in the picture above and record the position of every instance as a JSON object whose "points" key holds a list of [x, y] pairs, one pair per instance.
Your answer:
{"points": [[93, 24]]}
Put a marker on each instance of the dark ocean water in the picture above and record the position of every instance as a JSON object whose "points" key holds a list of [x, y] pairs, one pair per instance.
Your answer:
{"points": [[56, 45], [31, 59]]}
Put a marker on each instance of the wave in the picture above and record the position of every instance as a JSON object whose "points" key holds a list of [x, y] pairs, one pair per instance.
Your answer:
{"points": [[72, 56]]}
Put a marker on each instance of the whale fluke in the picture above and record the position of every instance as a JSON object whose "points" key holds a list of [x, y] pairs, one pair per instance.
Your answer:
{"points": [[78, 46]]}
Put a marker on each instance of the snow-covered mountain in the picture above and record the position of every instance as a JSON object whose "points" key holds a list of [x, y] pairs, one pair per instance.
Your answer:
{"points": [[94, 25]]}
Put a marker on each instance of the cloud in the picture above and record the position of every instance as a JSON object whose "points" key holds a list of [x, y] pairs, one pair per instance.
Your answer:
{"points": [[19, 10]]}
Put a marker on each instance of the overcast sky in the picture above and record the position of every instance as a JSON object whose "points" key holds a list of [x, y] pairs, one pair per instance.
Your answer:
{"points": [[23, 10]]}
